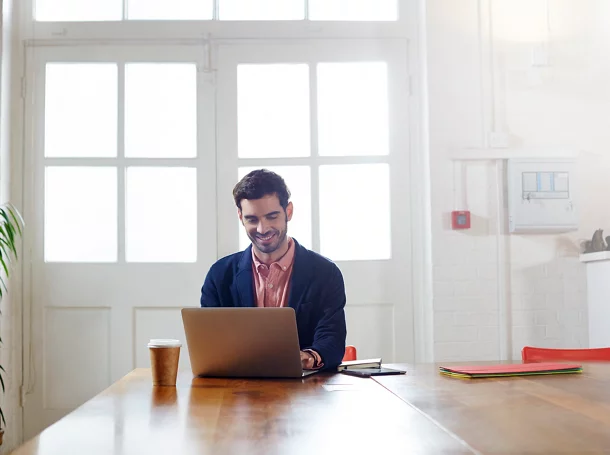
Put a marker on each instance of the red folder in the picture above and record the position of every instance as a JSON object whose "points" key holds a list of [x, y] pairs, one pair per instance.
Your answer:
{"points": [[519, 369]]}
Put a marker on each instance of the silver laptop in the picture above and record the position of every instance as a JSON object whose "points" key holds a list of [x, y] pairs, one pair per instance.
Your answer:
{"points": [[243, 342]]}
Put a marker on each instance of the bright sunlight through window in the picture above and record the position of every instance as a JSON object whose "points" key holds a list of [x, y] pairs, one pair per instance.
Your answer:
{"points": [[353, 109], [161, 214], [81, 110], [273, 111], [160, 110], [170, 9], [78, 10], [353, 10], [80, 218], [355, 211]]}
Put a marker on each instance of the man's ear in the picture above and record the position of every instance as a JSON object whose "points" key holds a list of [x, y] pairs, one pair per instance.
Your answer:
{"points": [[289, 209]]}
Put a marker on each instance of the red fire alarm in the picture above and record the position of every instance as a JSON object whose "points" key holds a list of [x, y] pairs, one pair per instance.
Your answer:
{"points": [[460, 219]]}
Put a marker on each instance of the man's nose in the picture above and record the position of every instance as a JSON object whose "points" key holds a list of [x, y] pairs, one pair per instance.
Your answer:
{"points": [[261, 228]]}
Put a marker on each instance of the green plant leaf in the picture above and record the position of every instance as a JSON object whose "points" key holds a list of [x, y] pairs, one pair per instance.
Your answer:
{"points": [[7, 237], [4, 266], [16, 217], [7, 246], [5, 249], [2, 281], [11, 223], [4, 235], [3, 419], [10, 230]]}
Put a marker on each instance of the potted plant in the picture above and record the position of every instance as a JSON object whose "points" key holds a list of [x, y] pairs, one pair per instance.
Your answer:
{"points": [[11, 223]]}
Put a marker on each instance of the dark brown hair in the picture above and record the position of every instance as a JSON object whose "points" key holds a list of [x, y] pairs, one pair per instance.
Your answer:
{"points": [[260, 183]]}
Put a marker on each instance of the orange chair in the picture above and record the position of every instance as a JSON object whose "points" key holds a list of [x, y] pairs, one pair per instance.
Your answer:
{"points": [[531, 354], [350, 353]]}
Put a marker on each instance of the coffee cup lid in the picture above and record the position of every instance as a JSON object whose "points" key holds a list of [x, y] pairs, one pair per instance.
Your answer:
{"points": [[163, 343]]}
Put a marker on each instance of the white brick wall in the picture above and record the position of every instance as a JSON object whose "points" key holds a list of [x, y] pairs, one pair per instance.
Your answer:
{"points": [[547, 285]]}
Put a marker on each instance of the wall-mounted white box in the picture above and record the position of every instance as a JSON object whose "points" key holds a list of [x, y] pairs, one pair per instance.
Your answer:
{"points": [[541, 195]]}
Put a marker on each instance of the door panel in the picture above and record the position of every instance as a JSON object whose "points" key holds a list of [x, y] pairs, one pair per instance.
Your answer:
{"points": [[353, 204], [96, 298], [123, 218]]}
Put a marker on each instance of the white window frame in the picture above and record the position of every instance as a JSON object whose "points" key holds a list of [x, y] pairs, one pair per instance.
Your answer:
{"points": [[404, 27], [409, 26]]}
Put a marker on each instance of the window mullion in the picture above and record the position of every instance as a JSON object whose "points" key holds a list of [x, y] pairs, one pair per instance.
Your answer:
{"points": [[215, 14], [121, 163]]}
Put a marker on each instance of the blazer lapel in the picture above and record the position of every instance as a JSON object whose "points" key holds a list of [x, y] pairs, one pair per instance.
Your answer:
{"points": [[244, 280], [300, 277]]}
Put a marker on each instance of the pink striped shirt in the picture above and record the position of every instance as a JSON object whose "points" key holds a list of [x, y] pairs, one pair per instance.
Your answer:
{"points": [[272, 282], [272, 286]]}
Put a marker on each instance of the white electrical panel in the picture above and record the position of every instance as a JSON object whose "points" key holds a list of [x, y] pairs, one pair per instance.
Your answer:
{"points": [[541, 195]]}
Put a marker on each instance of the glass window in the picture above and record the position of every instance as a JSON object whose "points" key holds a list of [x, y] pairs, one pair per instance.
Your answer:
{"points": [[355, 214], [353, 109], [78, 10], [80, 110], [353, 10], [80, 219], [161, 214], [263, 10], [160, 110], [273, 111], [170, 9]]}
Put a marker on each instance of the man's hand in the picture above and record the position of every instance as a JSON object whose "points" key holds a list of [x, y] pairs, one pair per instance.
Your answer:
{"points": [[307, 360]]}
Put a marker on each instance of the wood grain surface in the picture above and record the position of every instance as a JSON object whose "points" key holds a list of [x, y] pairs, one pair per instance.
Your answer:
{"points": [[323, 413], [519, 415]]}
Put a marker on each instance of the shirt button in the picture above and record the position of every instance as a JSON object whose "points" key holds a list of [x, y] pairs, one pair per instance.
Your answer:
{"points": [[285, 268], [270, 286]]}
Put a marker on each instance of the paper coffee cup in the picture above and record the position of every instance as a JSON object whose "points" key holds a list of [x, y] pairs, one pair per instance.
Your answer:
{"points": [[164, 357]]}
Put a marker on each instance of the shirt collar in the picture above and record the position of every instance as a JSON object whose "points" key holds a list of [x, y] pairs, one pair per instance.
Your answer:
{"points": [[283, 263]]}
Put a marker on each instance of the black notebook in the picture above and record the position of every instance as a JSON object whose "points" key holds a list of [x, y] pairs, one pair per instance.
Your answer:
{"points": [[368, 372]]}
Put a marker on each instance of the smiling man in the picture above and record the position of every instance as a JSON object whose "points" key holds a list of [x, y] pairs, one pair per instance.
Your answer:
{"points": [[275, 271]]}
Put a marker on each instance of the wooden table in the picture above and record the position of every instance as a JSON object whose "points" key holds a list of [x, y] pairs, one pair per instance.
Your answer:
{"points": [[421, 412], [320, 414], [533, 415]]}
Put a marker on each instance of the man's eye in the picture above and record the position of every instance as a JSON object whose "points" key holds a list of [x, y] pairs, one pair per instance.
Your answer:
{"points": [[272, 217], [251, 221]]}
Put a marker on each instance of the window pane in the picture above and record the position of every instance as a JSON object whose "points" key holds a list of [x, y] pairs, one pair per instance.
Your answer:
{"points": [[161, 214], [170, 9], [80, 110], [355, 215], [273, 111], [353, 10], [80, 219], [353, 109], [270, 10], [78, 10], [298, 180], [160, 110]]}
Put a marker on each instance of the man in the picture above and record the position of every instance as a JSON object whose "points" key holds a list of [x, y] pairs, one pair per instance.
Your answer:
{"points": [[275, 271]]}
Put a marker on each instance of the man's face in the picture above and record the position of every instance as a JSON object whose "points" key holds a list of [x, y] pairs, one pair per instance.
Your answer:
{"points": [[265, 221]]}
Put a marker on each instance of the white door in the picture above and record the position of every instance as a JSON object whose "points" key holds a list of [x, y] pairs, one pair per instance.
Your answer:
{"points": [[121, 197], [331, 118]]}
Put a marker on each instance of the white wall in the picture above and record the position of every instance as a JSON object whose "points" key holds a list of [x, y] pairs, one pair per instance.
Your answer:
{"points": [[10, 321], [481, 79]]}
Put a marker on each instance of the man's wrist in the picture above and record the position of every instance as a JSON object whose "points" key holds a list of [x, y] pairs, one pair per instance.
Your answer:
{"points": [[317, 360]]}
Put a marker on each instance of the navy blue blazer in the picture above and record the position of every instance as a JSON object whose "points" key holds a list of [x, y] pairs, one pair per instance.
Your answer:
{"points": [[316, 293]]}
